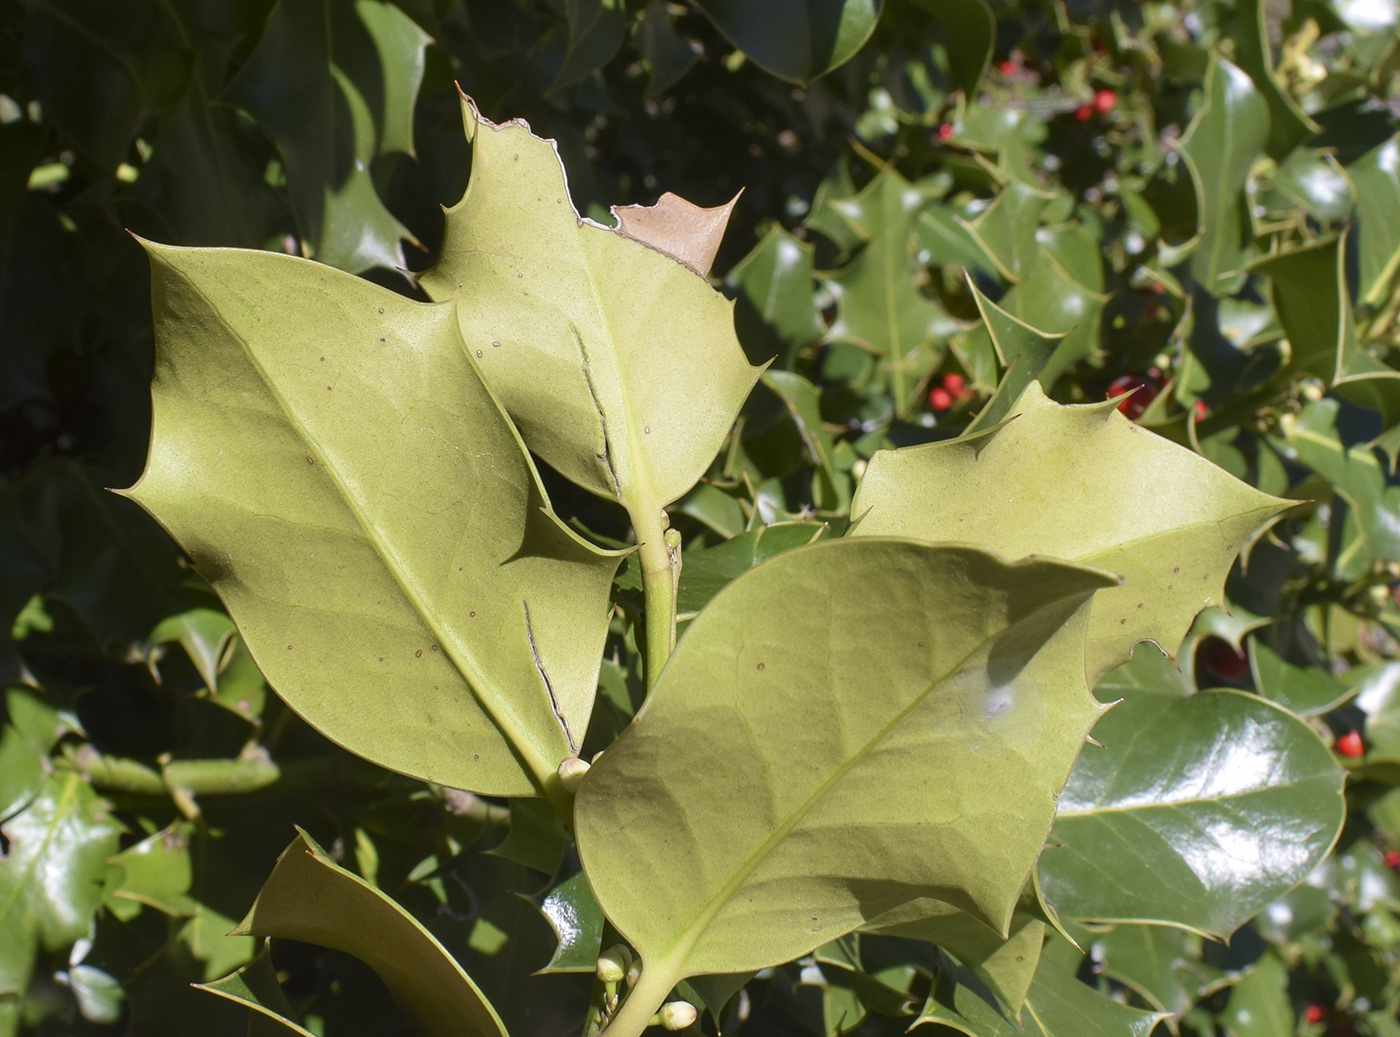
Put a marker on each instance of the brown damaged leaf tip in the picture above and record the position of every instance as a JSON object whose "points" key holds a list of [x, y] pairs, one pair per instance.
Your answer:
{"points": [[684, 231]]}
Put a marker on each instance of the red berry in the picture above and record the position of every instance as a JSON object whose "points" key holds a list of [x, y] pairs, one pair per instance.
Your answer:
{"points": [[1007, 68], [1104, 101], [1140, 394], [1314, 1014], [945, 131], [1221, 659], [954, 383], [940, 399], [1350, 745], [1200, 409], [1083, 112], [1392, 859]]}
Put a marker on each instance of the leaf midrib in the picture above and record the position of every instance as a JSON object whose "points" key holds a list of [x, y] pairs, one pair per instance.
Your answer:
{"points": [[535, 765], [679, 949]]}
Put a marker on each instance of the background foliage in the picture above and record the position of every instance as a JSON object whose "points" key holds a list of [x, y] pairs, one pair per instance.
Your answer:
{"points": [[1200, 199]]}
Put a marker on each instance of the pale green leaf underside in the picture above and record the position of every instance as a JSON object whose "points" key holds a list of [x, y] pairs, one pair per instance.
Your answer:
{"points": [[309, 897], [593, 341], [329, 457], [1081, 483], [846, 727]]}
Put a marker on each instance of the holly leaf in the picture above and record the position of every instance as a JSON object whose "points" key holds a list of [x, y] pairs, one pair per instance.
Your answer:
{"points": [[1123, 498], [256, 986], [707, 571], [334, 85], [1376, 176], [1289, 125], [1057, 1003], [1163, 826], [309, 897], [901, 659], [156, 872], [796, 40], [378, 533], [592, 339], [878, 303], [1021, 349], [51, 878], [1223, 141], [577, 921], [775, 312]]}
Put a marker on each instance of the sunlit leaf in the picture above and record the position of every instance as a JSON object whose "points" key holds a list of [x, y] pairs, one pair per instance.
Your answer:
{"points": [[1223, 142], [1124, 499], [709, 866], [592, 340], [334, 465], [1196, 812]]}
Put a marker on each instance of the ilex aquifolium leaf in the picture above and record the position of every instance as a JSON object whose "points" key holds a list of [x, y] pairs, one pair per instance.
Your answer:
{"points": [[594, 339], [309, 897], [329, 457], [844, 728], [1082, 483]]}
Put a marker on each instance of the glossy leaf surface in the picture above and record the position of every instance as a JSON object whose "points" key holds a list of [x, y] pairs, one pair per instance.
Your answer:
{"points": [[797, 40], [593, 340], [1196, 812], [255, 985], [1124, 499], [1377, 178], [52, 873], [792, 841], [335, 84], [309, 897], [1223, 142], [334, 465]]}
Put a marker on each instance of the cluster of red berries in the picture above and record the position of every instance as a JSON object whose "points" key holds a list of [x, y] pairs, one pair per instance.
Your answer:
{"points": [[1104, 102], [952, 389]]}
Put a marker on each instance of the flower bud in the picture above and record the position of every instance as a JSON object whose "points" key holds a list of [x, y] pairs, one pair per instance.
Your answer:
{"points": [[613, 964], [677, 1015], [634, 973], [571, 772]]}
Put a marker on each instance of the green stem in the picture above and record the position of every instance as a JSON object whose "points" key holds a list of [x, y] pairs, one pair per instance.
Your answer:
{"points": [[643, 1001], [658, 587]]}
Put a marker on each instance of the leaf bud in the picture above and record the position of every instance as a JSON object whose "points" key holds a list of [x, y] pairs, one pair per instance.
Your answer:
{"points": [[677, 1015], [571, 772], [613, 964]]}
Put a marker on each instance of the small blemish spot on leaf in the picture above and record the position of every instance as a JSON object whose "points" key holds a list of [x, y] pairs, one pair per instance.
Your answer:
{"points": [[381, 658], [310, 459], [472, 614], [646, 429], [1139, 604], [1176, 569], [289, 648], [760, 666], [418, 654], [1122, 621], [323, 360], [519, 274], [381, 309], [381, 342], [435, 648], [478, 352], [495, 343]]}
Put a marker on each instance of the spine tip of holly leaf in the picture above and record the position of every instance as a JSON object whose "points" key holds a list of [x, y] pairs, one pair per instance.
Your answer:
{"points": [[571, 772], [677, 1015]]}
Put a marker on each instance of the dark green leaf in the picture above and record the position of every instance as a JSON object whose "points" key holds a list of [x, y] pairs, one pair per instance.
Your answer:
{"points": [[1163, 826], [310, 898], [797, 40], [577, 921]]}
